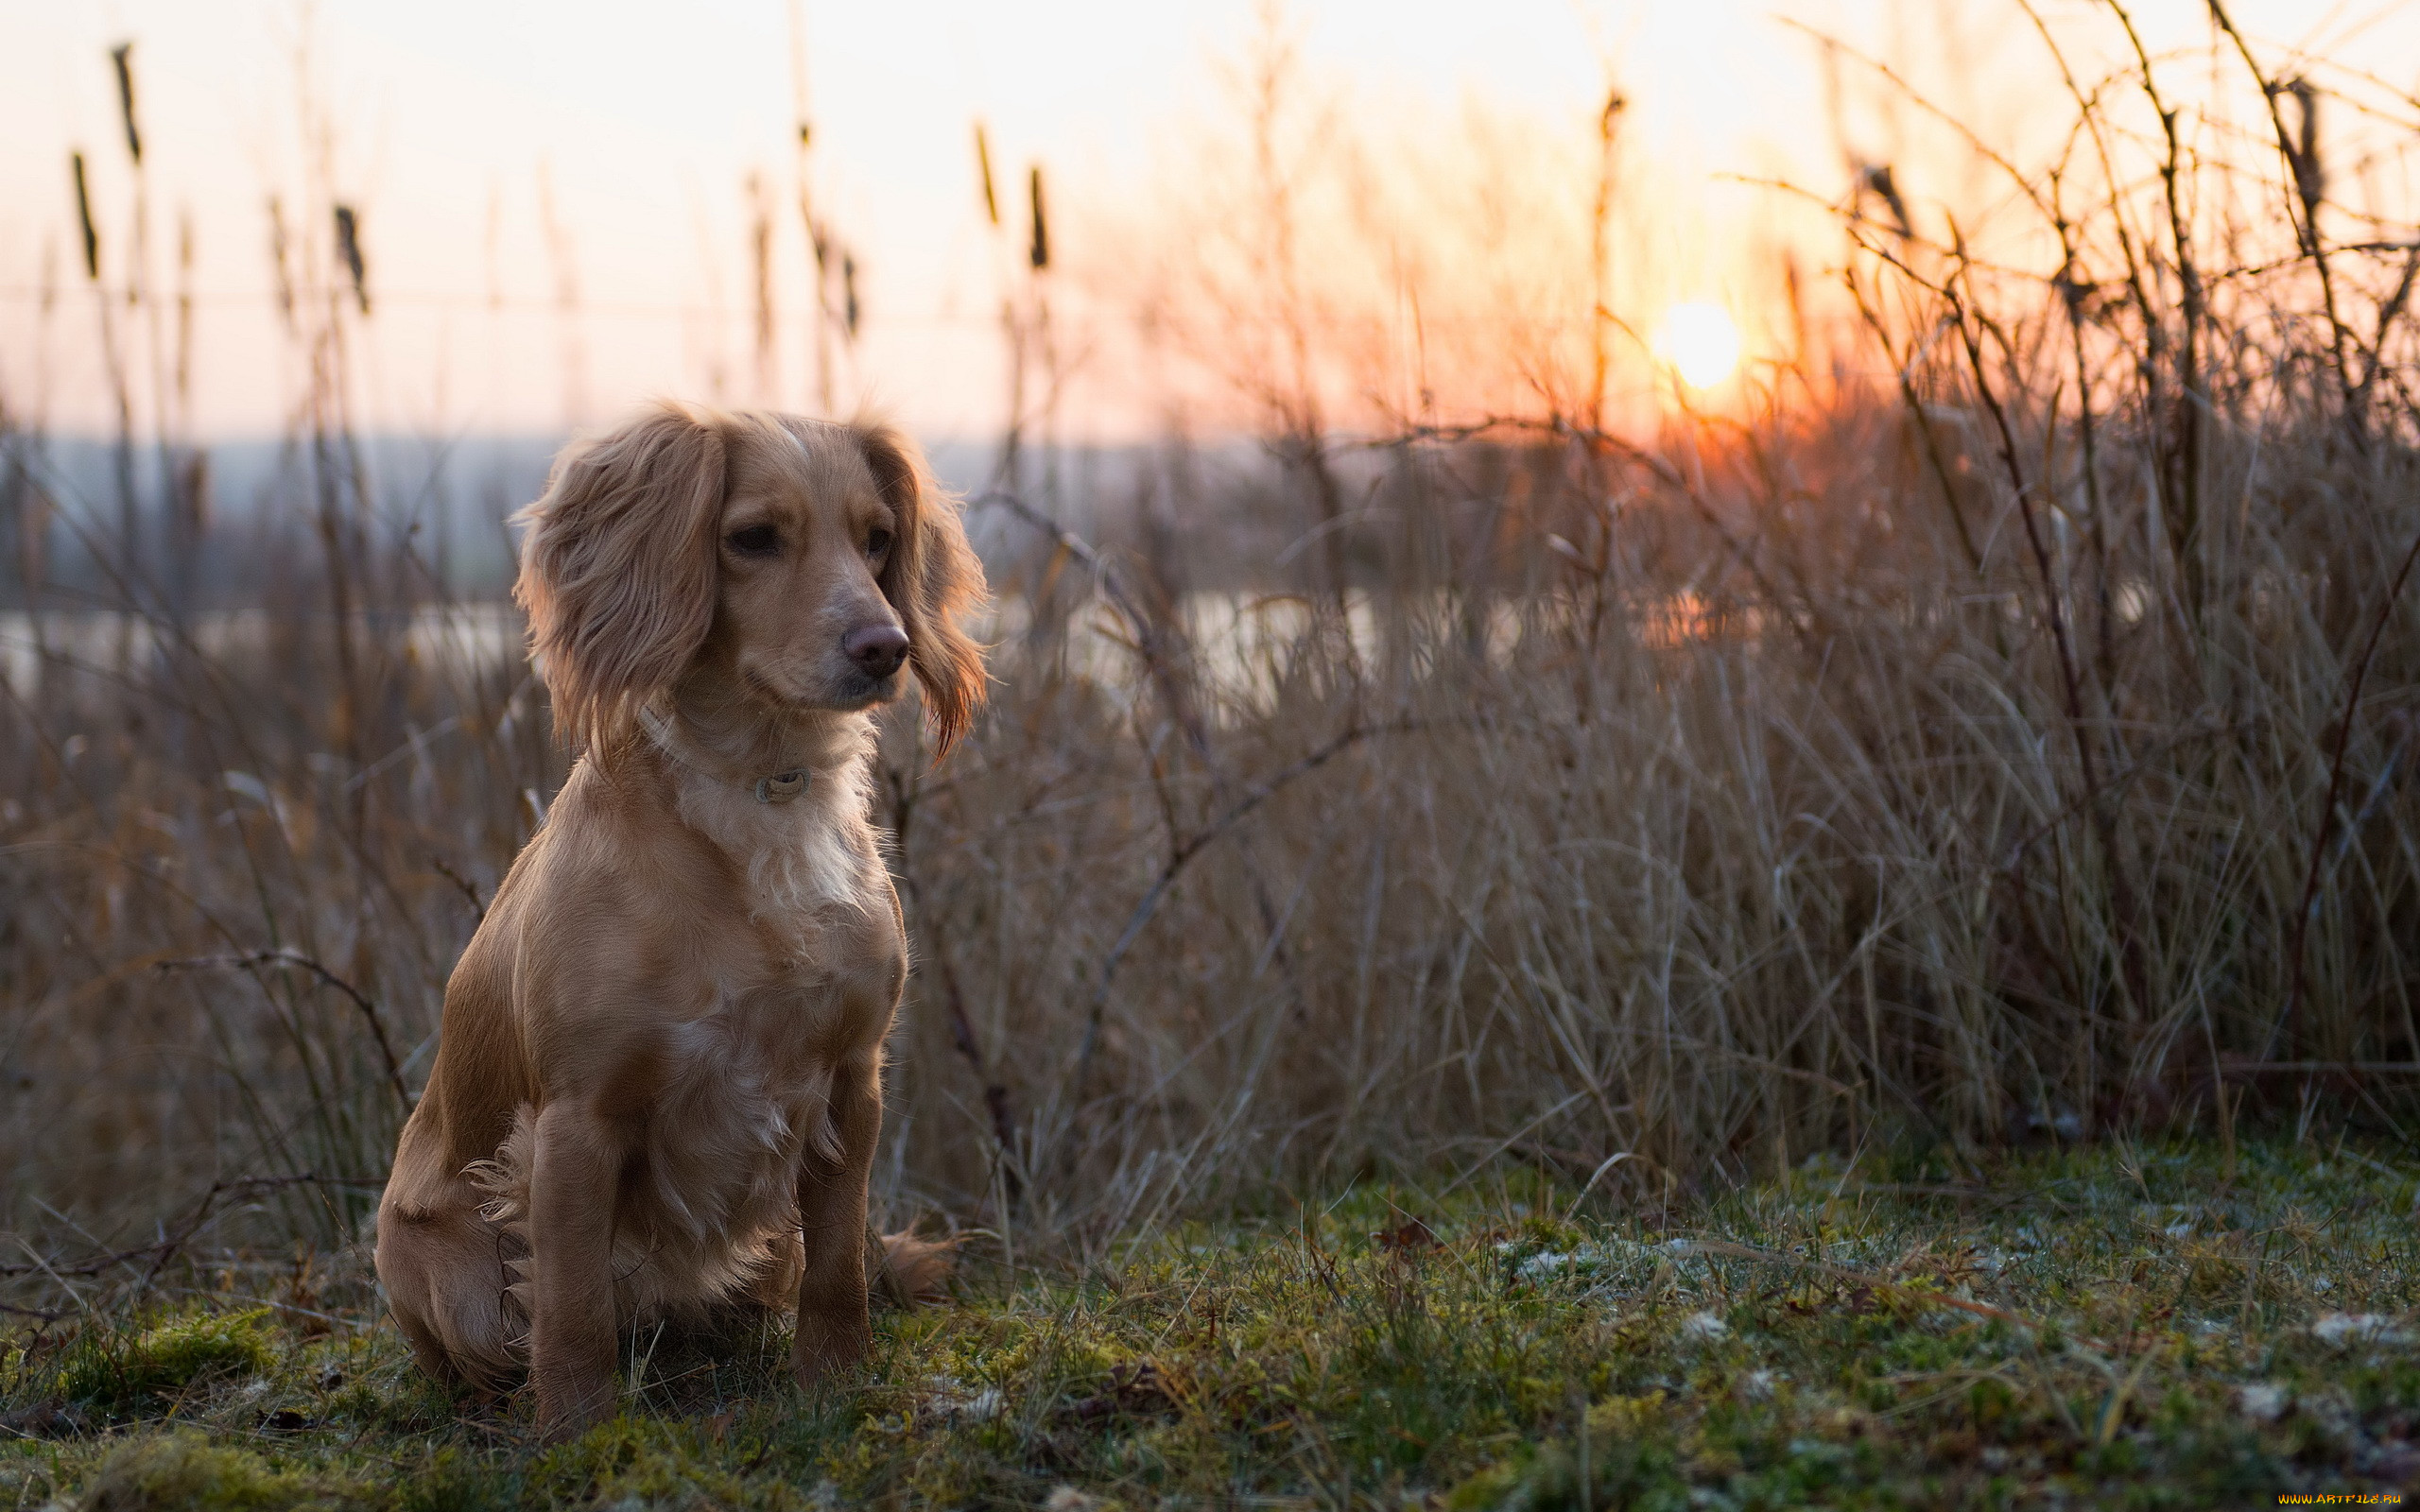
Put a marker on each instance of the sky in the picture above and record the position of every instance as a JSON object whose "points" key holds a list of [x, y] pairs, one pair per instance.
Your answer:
{"points": [[513, 159]]}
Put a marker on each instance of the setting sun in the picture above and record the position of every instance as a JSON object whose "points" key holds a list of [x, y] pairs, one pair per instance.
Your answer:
{"points": [[1701, 343]]}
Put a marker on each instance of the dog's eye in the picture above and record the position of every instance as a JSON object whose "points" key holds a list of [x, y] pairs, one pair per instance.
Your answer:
{"points": [[755, 541], [877, 542]]}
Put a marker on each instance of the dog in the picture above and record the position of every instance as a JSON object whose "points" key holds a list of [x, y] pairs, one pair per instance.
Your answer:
{"points": [[658, 1086]]}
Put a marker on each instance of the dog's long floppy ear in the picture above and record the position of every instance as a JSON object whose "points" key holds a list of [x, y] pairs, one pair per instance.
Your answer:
{"points": [[618, 569], [931, 580]]}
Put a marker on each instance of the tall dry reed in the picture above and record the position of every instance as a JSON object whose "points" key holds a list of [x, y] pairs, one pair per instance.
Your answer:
{"points": [[1996, 737]]}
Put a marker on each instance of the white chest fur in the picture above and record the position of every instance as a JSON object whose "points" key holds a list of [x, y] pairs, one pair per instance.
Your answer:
{"points": [[801, 855]]}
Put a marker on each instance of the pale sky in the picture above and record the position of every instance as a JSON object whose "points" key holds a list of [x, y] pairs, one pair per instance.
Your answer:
{"points": [[453, 125]]}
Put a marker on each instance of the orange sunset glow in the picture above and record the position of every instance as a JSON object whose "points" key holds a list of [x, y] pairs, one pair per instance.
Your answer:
{"points": [[546, 242], [1700, 342]]}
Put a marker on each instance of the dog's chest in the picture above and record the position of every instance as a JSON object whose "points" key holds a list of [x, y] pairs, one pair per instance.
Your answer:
{"points": [[748, 1094], [797, 859], [753, 1077], [749, 1087], [800, 964]]}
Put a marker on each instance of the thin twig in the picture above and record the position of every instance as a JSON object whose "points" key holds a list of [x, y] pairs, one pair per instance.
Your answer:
{"points": [[995, 1093], [2306, 225], [2295, 954], [469, 890], [2071, 681], [30, 1312], [166, 1250], [1179, 857], [259, 960]]}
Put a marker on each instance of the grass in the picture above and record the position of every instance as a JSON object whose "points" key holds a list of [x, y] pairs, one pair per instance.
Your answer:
{"points": [[1988, 719], [2116, 1326]]}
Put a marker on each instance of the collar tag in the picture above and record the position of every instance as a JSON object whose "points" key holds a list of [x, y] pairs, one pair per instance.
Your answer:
{"points": [[782, 787]]}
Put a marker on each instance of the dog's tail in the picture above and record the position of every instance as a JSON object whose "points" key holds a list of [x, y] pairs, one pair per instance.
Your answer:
{"points": [[908, 1271]]}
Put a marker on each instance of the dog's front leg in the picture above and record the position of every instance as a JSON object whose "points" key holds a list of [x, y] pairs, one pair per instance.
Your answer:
{"points": [[577, 1168], [833, 1330]]}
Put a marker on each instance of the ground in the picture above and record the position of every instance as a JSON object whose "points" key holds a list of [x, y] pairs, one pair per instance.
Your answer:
{"points": [[2117, 1326]]}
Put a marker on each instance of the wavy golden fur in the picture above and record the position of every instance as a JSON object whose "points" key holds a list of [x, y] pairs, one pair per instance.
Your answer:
{"points": [[658, 1087]]}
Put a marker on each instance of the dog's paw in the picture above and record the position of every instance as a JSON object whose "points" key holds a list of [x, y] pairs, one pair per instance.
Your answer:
{"points": [[568, 1408], [827, 1347]]}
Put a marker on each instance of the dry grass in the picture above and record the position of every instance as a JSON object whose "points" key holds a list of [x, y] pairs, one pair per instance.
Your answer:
{"points": [[1993, 732]]}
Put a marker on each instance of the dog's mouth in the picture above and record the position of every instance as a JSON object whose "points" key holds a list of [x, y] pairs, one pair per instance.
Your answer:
{"points": [[859, 691], [842, 693]]}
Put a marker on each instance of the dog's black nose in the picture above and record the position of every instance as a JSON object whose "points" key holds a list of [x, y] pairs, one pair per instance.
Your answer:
{"points": [[877, 650]]}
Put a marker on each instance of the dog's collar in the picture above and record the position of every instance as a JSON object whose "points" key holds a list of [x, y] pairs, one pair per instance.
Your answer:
{"points": [[772, 787], [780, 787]]}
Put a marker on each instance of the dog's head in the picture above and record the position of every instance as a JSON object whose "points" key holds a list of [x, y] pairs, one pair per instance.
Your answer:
{"points": [[805, 561]]}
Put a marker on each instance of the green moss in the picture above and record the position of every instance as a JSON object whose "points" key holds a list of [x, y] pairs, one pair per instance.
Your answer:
{"points": [[1824, 1351], [117, 1372], [1617, 1474], [183, 1472]]}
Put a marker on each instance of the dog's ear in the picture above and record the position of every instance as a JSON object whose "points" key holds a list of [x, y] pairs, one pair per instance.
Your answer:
{"points": [[932, 579], [618, 568]]}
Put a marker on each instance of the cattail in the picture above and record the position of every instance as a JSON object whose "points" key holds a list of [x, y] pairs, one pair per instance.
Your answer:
{"points": [[278, 258], [2301, 153], [983, 160], [760, 240], [185, 310], [797, 76], [84, 217], [1040, 252], [1796, 295], [1600, 250], [568, 306], [1875, 179], [496, 233], [33, 528], [349, 250], [123, 55], [849, 293], [192, 491]]}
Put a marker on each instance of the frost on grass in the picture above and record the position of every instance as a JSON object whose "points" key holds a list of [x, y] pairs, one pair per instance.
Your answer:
{"points": [[1518, 1355], [2358, 1328], [951, 1399]]}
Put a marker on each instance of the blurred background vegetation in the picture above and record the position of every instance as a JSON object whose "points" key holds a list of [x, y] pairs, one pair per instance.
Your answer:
{"points": [[1950, 684]]}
